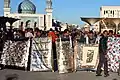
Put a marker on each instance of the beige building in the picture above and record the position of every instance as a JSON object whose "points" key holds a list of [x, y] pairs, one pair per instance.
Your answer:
{"points": [[110, 11], [28, 16]]}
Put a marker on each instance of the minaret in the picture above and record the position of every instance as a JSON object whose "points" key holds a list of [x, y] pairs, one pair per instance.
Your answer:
{"points": [[6, 7], [48, 14]]}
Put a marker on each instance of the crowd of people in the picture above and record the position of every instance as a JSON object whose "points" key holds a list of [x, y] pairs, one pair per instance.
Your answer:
{"points": [[90, 37], [82, 37]]}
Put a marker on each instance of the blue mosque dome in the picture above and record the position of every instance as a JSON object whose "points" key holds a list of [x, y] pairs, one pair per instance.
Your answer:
{"points": [[26, 7]]}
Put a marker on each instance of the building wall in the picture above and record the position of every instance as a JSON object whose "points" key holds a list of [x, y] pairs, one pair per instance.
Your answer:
{"points": [[43, 20], [48, 19], [38, 18], [110, 11]]}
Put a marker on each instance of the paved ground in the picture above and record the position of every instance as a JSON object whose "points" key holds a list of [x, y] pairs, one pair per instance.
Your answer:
{"points": [[80, 75]]}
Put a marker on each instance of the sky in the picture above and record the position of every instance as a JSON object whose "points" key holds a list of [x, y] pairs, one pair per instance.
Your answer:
{"points": [[68, 11]]}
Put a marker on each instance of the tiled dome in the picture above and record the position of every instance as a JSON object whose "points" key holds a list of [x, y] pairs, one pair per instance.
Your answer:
{"points": [[26, 7]]}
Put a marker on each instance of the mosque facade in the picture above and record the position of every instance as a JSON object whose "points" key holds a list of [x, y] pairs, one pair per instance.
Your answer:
{"points": [[28, 16]]}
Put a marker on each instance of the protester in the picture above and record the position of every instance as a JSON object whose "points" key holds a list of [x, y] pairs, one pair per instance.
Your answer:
{"points": [[45, 34], [80, 37], [29, 33], [98, 36], [54, 37], [103, 55], [65, 35], [111, 33], [38, 34], [91, 38]]}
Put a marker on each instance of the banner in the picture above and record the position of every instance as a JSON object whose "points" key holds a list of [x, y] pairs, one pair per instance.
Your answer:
{"points": [[113, 53], [65, 56], [15, 53], [77, 55], [85, 56], [89, 56], [41, 55]]}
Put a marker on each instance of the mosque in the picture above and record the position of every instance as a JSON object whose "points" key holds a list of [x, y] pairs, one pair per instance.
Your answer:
{"points": [[28, 16]]}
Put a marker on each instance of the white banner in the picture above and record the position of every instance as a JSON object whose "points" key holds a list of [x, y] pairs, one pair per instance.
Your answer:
{"points": [[90, 56], [41, 55], [85, 56]]}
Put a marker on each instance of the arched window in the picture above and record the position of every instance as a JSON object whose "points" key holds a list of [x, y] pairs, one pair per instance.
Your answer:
{"points": [[21, 25], [27, 23], [111, 11], [104, 11], [35, 24]]}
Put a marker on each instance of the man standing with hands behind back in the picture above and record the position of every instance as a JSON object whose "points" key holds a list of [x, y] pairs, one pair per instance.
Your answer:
{"points": [[103, 55]]}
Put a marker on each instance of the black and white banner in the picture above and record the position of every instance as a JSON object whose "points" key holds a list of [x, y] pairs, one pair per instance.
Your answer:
{"points": [[65, 56], [41, 55], [15, 53]]}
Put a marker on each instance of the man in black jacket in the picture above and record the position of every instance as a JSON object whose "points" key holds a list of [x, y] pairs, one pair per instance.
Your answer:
{"points": [[103, 55]]}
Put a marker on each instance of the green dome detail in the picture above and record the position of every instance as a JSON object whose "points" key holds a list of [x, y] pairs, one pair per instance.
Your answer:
{"points": [[27, 7]]}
